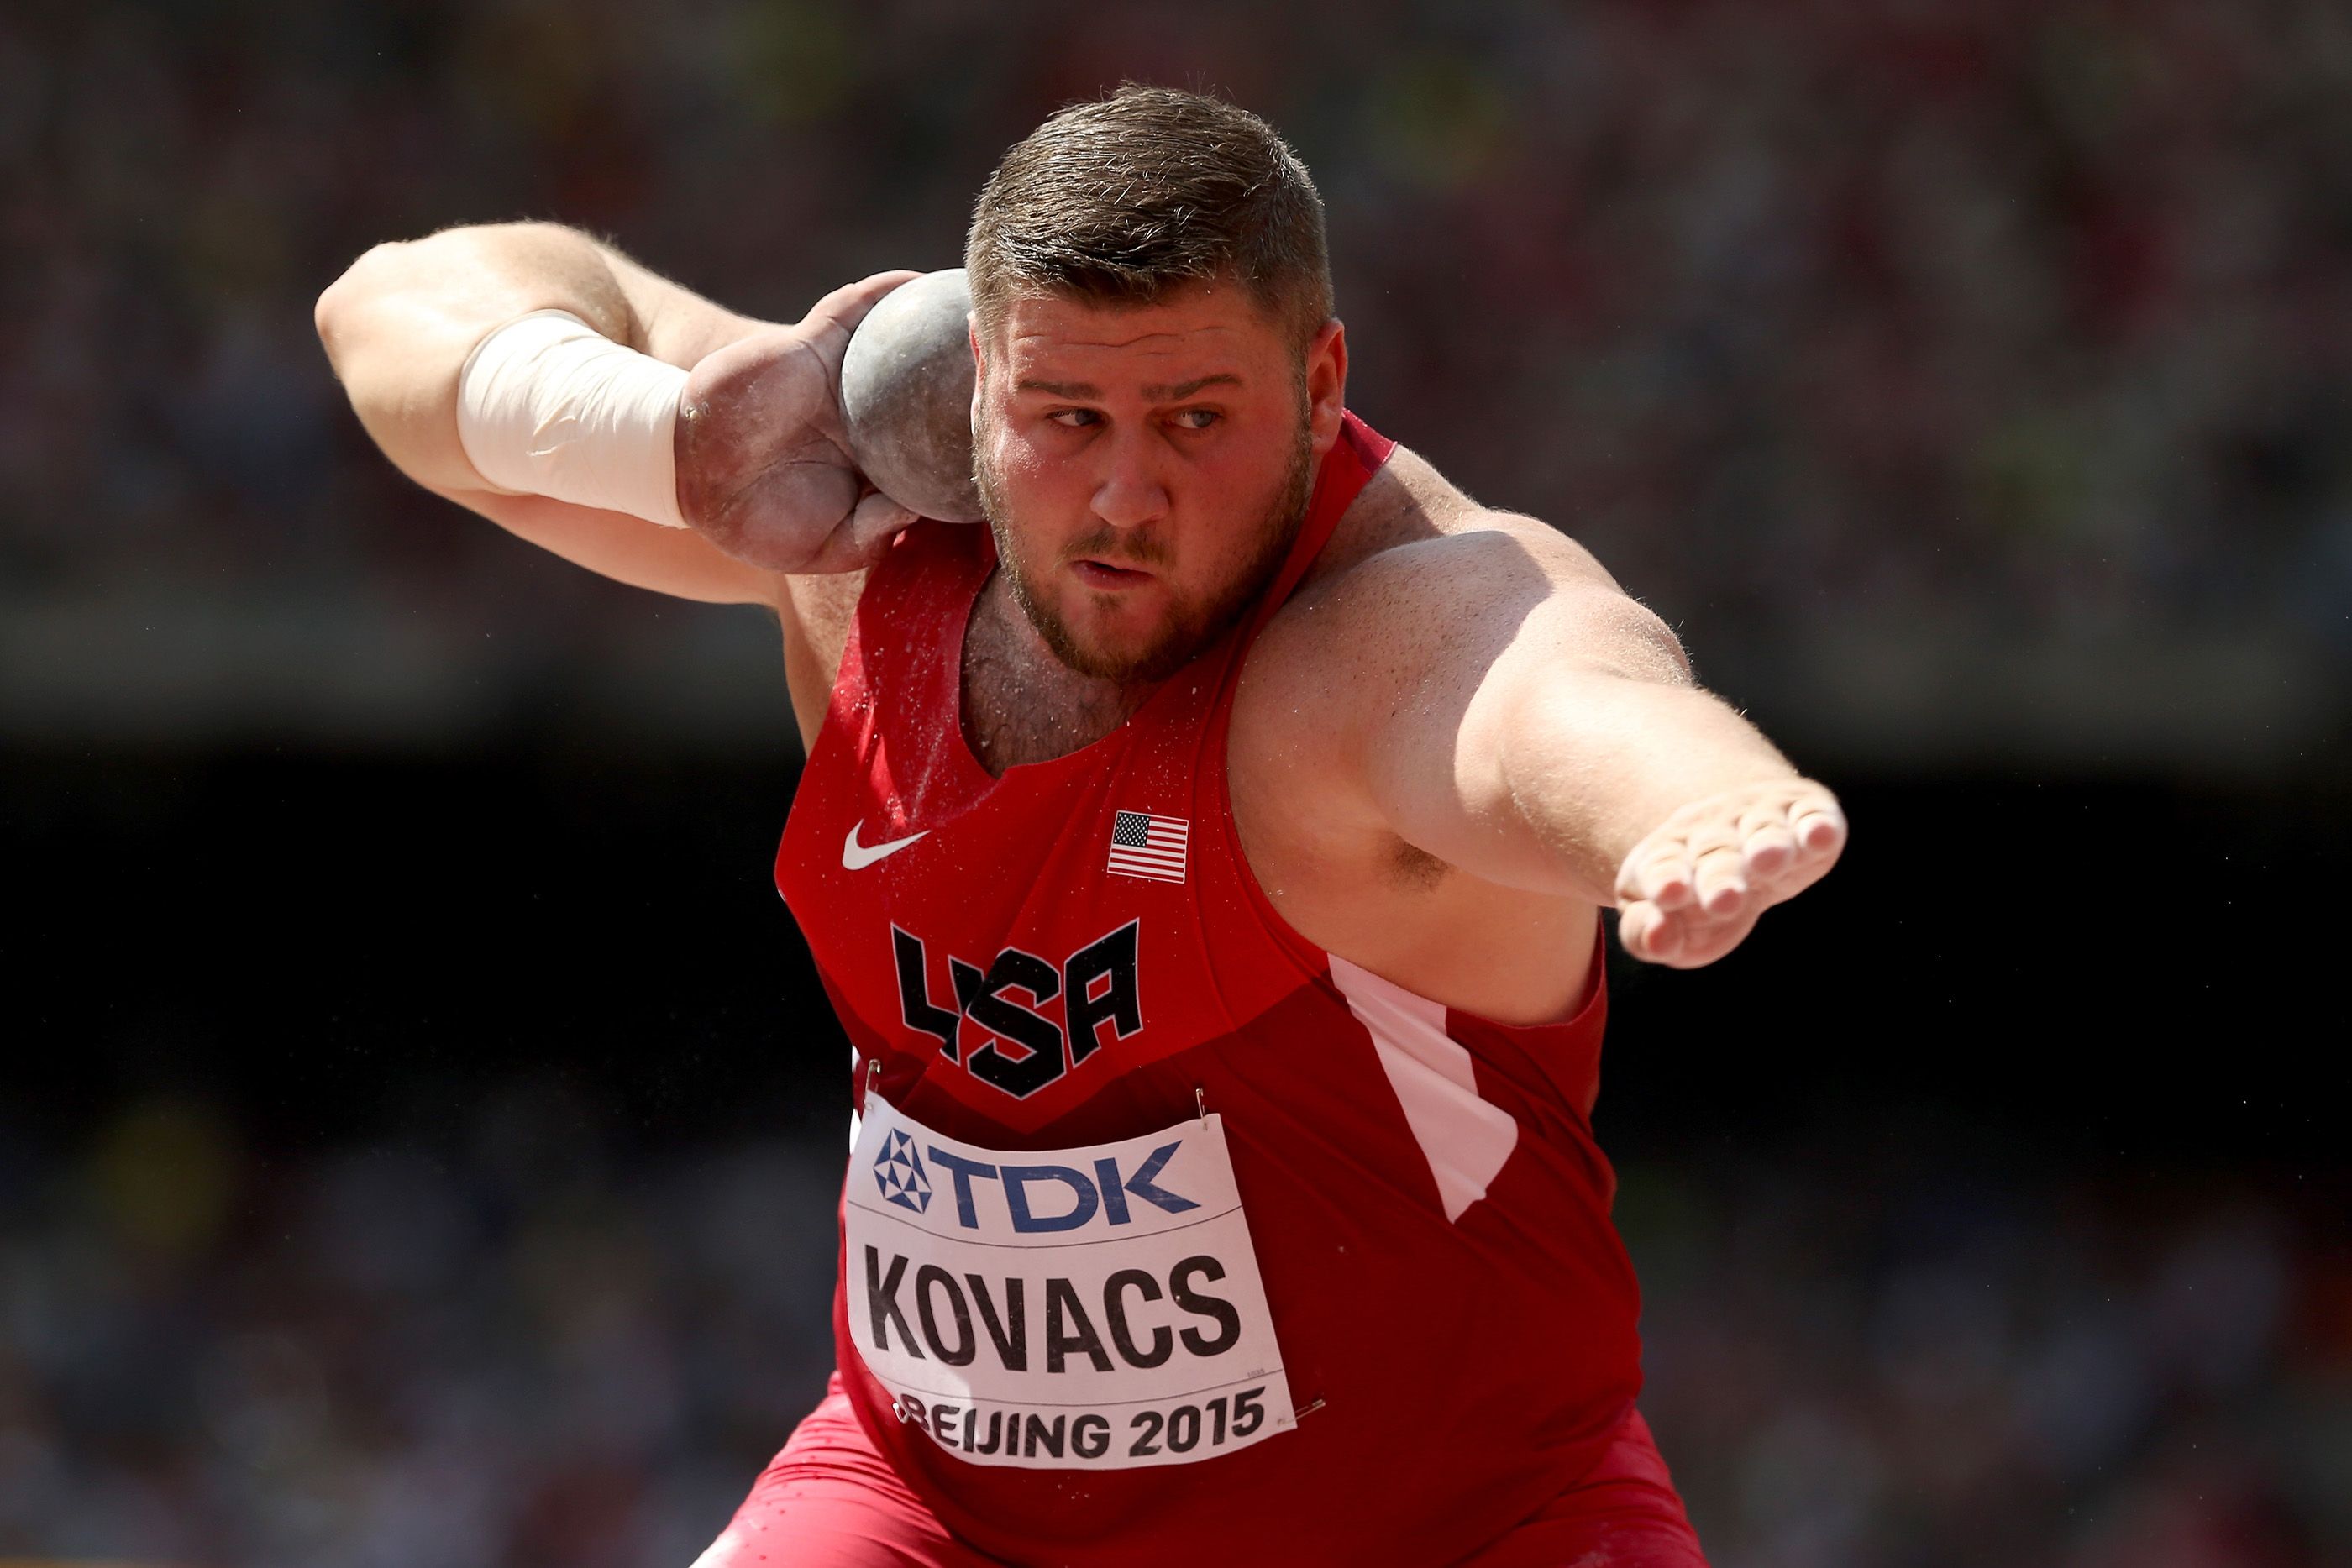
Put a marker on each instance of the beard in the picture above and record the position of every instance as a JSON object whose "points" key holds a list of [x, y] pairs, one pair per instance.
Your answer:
{"points": [[1193, 623]]}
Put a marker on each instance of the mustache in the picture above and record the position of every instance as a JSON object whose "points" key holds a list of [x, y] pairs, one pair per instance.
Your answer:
{"points": [[1119, 547]]}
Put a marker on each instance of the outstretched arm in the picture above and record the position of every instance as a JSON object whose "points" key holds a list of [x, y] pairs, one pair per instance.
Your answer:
{"points": [[1527, 721]]}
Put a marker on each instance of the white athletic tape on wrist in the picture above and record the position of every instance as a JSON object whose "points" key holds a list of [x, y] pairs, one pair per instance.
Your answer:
{"points": [[549, 406]]}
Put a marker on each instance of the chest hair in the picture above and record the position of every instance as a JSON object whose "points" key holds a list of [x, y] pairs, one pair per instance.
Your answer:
{"points": [[1022, 704]]}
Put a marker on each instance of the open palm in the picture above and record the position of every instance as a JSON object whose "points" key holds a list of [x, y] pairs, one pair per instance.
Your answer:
{"points": [[1693, 889]]}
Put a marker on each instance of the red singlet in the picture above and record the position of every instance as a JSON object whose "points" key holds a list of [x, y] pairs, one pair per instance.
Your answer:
{"points": [[1077, 954]]}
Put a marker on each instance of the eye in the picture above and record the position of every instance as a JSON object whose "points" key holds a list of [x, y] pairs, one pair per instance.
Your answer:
{"points": [[1074, 418], [1198, 418]]}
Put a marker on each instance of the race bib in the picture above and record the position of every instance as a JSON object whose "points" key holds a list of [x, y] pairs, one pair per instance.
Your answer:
{"points": [[1065, 1309]]}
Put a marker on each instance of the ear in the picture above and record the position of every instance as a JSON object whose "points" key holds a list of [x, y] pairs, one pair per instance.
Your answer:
{"points": [[1327, 385]]}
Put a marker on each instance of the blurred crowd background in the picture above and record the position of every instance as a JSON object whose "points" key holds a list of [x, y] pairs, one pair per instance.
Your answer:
{"points": [[417, 1143], [511, 1347], [1969, 377]]}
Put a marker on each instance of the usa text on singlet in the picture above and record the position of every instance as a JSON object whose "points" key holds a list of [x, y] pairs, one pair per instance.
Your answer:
{"points": [[1048, 977]]}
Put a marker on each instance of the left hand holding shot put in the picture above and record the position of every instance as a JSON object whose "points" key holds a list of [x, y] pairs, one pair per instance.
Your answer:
{"points": [[764, 467], [1694, 888]]}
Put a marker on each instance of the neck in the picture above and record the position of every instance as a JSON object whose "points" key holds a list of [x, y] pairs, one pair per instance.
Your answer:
{"points": [[1021, 703]]}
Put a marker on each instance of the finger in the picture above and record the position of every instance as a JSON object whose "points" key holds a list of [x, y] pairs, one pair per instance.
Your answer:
{"points": [[1628, 887], [1818, 830], [1664, 939], [1721, 884], [875, 521], [846, 306], [1640, 929], [1665, 880], [1769, 850], [858, 540], [1711, 832], [1771, 811], [1657, 870], [1703, 947]]}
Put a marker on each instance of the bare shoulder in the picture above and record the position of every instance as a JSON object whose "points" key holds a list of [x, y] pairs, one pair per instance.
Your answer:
{"points": [[1417, 568], [1409, 505], [1369, 669]]}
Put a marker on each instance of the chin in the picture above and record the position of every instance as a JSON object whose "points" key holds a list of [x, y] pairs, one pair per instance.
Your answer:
{"points": [[1128, 659]]}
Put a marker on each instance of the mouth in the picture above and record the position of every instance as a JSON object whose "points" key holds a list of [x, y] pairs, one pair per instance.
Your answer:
{"points": [[1098, 574]]}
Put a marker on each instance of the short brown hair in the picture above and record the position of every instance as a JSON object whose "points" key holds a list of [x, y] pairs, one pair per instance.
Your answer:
{"points": [[1127, 199]]}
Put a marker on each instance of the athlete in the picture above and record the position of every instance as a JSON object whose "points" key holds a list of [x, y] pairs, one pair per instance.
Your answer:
{"points": [[1206, 858]]}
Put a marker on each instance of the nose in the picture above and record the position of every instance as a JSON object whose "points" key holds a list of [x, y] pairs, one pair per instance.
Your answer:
{"points": [[1132, 491]]}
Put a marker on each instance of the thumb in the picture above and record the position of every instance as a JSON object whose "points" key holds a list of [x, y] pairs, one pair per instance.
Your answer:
{"points": [[846, 306], [874, 522], [858, 539]]}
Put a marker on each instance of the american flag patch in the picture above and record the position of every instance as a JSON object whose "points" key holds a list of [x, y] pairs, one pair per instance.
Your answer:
{"points": [[1147, 846]]}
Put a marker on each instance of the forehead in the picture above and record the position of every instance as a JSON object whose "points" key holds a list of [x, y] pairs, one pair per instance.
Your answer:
{"points": [[1057, 336]]}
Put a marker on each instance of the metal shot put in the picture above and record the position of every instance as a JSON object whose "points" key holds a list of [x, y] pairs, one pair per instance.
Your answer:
{"points": [[1205, 858], [906, 397]]}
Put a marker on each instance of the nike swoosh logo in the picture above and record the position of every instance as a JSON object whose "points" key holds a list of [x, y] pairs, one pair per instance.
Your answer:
{"points": [[856, 856]]}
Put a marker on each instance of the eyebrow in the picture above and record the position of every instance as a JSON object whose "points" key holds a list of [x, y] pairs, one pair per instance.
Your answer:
{"points": [[1164, 393]]}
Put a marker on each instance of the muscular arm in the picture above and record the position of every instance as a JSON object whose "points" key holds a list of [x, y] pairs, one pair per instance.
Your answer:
{"points": [[1506, 708], [398, 325]]}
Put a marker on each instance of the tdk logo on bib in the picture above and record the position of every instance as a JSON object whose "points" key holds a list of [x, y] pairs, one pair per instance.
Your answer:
{"points": [[1091, 1308], [898, 1171], [1033, 1199]]}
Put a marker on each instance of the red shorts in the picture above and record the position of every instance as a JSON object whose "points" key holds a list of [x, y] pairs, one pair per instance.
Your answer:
{"points": [[829, 1500]]}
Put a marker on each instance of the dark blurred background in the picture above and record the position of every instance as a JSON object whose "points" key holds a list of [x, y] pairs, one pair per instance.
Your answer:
{"points": [[420, 1123]]}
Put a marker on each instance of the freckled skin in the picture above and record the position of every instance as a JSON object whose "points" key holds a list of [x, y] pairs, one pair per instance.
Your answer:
{"points": [[1155, 439], [1457, 742]]}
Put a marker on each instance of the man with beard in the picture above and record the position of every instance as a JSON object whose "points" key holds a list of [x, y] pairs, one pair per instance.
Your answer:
{"points": [[1205, 859]]}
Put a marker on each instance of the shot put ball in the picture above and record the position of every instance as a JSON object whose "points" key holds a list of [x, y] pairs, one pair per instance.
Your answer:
{"points": [[906, 395]]}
